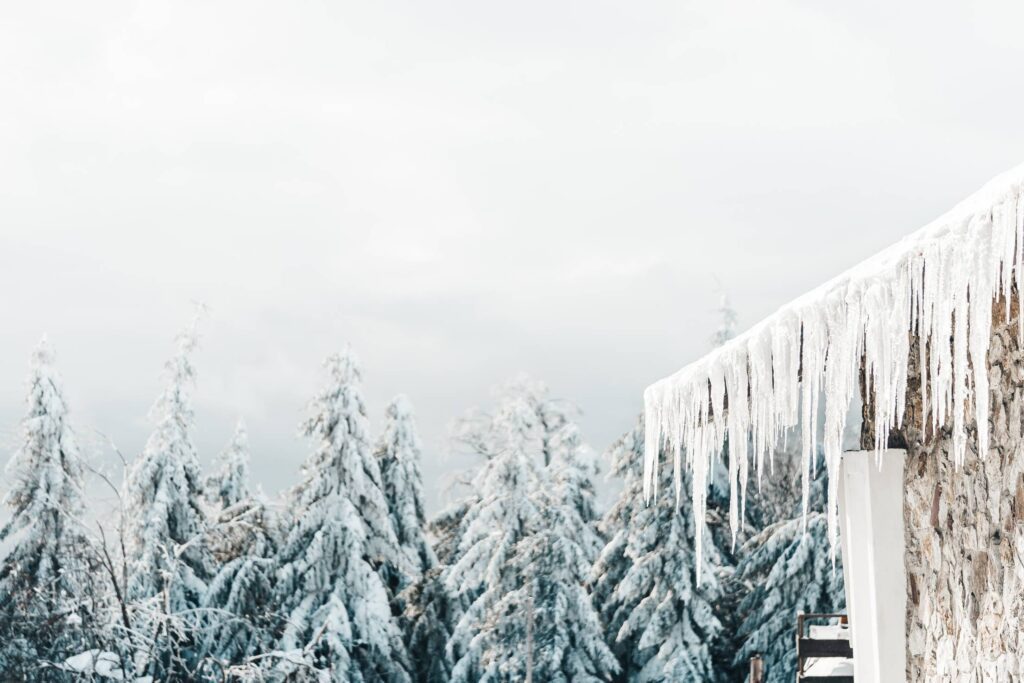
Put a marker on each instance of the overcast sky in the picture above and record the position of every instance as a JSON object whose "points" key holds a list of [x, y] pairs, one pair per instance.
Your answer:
{"points": [[462, 190]]}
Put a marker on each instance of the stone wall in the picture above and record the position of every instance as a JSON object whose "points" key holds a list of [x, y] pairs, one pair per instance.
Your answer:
{"points": [[965, 537]]}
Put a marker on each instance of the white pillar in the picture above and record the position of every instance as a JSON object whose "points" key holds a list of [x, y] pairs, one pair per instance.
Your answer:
{"points": [[871, 518]]}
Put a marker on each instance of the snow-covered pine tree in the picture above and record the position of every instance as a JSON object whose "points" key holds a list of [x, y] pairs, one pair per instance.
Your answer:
{"points": [[789, 571], [46, 607], [230, 483], [727, 323], [783, 571], [505, 513], [429, 613], [571, 470], [241, 618], [660, 623], [547, 611], [478, 430], [429, 609], [551, 414], [399, 453], [336, 604], [170, 562], [525, 556], [566, 634], [447, 529]]}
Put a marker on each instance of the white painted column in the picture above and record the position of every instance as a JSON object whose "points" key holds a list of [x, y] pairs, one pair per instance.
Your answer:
{"points": [[871, 519]]}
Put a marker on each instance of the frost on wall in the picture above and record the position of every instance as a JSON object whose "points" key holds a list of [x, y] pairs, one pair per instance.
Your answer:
{"points": [[937, 284]]}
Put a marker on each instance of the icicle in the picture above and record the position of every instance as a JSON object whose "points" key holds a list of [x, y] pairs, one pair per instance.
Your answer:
{"points": [[653, 403], [961, 316], [1018, 268], [738, 421], [1003, 256], [982, 291], [761, 413], [841, 369], [939, 284], [812, 361], [922, 320]]}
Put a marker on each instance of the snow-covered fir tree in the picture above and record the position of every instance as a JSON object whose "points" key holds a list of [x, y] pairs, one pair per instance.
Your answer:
{"points": [[478, 429], [789, 570], [240, 617], [448, 527], [571, 473], [523, 561], [46, 602], [659, 622], [330, 585], [552, 414], [557, 623], [727, 321], [565, 634], [429, 609], [785, 569], [399, 453], [429, 613], [170, 562], [230, 483], [505, 513]]}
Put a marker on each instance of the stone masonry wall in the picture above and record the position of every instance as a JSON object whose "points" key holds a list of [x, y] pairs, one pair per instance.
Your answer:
{"points": [[965, 537]]}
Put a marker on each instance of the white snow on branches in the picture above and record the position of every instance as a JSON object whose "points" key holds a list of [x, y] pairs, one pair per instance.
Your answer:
{"points": [[934, 285]]}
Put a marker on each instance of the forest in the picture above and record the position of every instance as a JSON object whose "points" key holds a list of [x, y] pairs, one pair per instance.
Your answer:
{"points": [[199, 576]]}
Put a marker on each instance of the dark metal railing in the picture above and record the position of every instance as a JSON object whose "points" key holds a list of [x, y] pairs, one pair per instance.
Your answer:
{"points": [[817, 648]]}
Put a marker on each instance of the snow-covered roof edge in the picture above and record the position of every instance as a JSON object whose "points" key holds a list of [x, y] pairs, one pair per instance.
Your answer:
{"points": [[938, 282]]}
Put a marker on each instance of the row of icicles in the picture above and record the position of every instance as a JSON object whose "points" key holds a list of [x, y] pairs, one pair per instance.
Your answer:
{"points": [[938, 284]]}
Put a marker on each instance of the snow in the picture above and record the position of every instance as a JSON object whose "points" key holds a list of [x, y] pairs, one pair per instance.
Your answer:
{"points": [[829, 632], [96, 663], [829, 667], [936, 284]]}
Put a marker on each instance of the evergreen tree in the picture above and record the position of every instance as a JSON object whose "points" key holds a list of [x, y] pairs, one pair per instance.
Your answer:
{"points": [[727, 322], [571, 475], [483, 435], [336, 602], [549, 613], [552, 414], [660, 623], [170, 560], [784, 569], [448, 527], [789, 571], [46, 607], [429, 614], [398, 453], [524, 559], [244, 541], [230, 484], [505, 513]]}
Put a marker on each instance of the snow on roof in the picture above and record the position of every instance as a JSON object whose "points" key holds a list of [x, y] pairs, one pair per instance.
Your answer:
{"points": [[936, 284]]}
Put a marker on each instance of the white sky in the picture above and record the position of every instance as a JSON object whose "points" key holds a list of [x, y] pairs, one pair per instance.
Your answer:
{"points": [[462, 190]]}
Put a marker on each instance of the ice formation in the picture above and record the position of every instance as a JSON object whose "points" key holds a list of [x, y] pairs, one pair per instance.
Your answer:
{"points": [[937, 284]]}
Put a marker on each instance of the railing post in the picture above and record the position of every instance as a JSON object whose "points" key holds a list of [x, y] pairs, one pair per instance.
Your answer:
{"points": [[756, 669], [799, 635]]}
